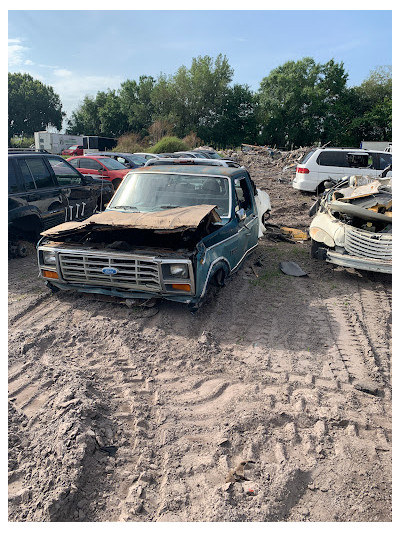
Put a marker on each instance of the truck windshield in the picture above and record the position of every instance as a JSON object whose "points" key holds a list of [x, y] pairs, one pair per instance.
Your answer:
{"points": [[147, 192]]}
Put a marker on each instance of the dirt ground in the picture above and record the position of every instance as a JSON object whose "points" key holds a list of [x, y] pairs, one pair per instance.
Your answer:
{"points": [[146, 415]]}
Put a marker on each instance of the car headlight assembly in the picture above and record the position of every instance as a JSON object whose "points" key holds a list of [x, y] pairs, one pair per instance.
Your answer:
{"points": [[175, 271], [49, 257], [179, 271], [320, 235]]}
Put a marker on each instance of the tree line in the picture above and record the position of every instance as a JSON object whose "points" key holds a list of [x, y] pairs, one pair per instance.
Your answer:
{"points": [[299, 103]]}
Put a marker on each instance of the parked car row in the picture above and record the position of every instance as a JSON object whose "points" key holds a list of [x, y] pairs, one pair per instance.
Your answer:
{"points": [[113, 166]]}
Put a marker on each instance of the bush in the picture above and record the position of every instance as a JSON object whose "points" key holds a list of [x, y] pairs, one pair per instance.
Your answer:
{"points": [[159, 129], [24, 142], [169, 144], [192, 140], [129, 143]]}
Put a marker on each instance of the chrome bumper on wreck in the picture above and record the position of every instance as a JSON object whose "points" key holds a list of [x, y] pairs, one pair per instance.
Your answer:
{"points": [[364, 250], [131, 274], [352, 261]]}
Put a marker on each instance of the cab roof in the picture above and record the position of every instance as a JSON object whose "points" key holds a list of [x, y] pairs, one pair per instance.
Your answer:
{"points": [[227, 172]]}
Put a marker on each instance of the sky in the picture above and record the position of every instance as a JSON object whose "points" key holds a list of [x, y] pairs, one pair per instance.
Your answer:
{"points": [[81, 52]]}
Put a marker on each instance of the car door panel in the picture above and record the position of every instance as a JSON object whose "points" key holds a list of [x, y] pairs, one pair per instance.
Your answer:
{"points": [[42, 191], [80, 201]]}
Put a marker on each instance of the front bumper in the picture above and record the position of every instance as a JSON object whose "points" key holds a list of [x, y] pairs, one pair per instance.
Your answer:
{"points": [[138, 295], [114, 273], [362, 263]]}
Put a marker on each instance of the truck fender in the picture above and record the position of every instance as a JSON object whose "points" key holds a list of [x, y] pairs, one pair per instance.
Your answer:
{"points": [[219, 264]]}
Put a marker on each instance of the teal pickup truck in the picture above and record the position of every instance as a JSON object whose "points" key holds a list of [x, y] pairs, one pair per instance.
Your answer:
{"points": [[173, 229]]}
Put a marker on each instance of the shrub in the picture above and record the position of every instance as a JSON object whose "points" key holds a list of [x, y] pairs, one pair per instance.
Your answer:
{"points": [[159, 129], [21, 142], [192, 140], [169, 144], [130, 143]]}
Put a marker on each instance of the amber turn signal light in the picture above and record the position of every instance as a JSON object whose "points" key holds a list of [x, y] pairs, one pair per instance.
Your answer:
{"points": [[181, 286], [49, 274]]}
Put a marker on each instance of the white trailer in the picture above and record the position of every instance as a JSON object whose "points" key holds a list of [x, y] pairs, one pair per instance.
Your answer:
{"points": [[380, 146], [55, 143]]}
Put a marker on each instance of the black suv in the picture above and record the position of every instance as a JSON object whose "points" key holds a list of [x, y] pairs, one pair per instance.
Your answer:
{"points": [[45, 190]]}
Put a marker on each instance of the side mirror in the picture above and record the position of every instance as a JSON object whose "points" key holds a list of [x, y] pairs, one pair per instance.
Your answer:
{"points": [[241, 214], [328, 184]]}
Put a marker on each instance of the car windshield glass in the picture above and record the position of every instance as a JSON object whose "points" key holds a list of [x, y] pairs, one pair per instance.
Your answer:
{"points": [[73, 147], [157, 191], [111, 164]]}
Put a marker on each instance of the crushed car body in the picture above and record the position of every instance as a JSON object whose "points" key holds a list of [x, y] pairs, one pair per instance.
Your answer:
{"points": [[170, 231], [352, 226]]}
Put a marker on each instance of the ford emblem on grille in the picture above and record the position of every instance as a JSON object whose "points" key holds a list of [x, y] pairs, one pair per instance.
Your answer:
{"points": [[109, 270]]}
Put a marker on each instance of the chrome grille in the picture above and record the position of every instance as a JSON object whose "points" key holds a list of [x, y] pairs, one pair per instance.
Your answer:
{"points": [[133, 272], [367, 244]]}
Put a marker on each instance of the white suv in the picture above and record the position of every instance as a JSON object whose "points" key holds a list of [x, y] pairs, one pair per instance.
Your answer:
{"points": [[322, 164]]}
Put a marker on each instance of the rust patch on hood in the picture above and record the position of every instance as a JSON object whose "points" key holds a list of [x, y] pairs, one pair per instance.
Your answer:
{"points": [[170, 220]]}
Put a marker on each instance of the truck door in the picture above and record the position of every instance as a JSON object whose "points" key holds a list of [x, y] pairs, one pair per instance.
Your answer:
{"points": [[80, 199], [248, 226], [41, 190]]}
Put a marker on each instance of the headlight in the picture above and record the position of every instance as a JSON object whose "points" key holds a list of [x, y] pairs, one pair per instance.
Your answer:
{"points": [[179, 271], [49, 258], [320, 235]]}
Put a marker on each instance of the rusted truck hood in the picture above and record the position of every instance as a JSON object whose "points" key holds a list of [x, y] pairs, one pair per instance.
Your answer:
{"points": [[166, 221]]}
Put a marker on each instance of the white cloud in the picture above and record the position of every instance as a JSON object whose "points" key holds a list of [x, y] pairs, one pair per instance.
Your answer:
{"points": [[52, 67], [73, 88], [16, 52], [62, 73]]}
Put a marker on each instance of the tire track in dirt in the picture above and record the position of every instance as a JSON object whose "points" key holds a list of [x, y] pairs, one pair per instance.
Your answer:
{"points": [[178, 400]]}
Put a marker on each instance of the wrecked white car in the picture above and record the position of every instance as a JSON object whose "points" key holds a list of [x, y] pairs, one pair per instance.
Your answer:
{"points": [[352, 226], [171, 230]]}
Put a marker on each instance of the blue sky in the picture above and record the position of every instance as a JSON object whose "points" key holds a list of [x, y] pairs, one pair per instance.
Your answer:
{"points": [[81, 52]]}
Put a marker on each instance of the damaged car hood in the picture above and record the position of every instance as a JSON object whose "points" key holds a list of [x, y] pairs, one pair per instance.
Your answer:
{"points": [[168, 220], [368, 201]]}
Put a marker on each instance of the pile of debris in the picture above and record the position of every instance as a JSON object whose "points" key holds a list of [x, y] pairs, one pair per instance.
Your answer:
{"points": [[252, 157]]}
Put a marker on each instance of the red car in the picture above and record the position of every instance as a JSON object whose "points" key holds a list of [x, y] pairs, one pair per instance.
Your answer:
{"points": [[100, 166], [73, 150]]}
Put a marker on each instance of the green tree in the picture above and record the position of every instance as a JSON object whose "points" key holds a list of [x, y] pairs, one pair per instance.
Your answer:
{"points": [[86, 119], [32, 106], [113, 121], [298, 101], [235, 122], [137, 103], [199, 92], [373, 120]]}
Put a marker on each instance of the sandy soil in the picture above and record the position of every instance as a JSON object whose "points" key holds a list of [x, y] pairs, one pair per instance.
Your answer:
{"points": [[120, 414]]}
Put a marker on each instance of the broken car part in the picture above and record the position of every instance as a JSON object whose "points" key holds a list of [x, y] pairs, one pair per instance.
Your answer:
{"points": [[352, 226]]}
